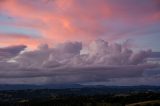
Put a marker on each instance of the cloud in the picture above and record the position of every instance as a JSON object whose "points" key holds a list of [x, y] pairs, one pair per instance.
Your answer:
{"points": [[19, 39], [74, 62], [155, 55], [70, 20], [63, 25], [7, 53]]}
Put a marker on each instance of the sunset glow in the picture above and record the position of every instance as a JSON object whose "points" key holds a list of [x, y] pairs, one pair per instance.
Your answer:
{"points": [[112, 42]]}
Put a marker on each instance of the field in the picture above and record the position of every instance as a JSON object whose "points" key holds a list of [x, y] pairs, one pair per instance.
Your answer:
{"points": [[146, 103]]}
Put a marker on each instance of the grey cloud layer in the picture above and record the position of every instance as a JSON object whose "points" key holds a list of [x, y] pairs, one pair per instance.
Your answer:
{"points": [[74, 62], [10, 52]]}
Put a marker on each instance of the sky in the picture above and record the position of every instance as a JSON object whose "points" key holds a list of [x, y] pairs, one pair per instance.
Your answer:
{"points": [[107, 42]]}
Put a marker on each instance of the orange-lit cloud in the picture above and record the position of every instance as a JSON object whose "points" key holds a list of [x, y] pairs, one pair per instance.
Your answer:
{"points": [[7, 40]]}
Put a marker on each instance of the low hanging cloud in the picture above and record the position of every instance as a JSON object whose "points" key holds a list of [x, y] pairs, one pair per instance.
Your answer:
{"points": [[74, 62]]}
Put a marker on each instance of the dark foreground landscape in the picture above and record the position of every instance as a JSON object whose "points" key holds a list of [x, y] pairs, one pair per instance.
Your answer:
{"points": [[80, 96]]}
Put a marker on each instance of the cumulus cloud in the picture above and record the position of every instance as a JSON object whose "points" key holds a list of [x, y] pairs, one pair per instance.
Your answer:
{"points": [[74, 62]]}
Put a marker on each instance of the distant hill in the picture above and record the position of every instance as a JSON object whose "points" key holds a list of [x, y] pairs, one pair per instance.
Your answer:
{"points": [[78, 86], [26, 86]]}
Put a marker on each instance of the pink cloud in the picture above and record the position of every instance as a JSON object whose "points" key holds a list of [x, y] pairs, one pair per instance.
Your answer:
{"points": [[82, 20], [17, 39]]}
